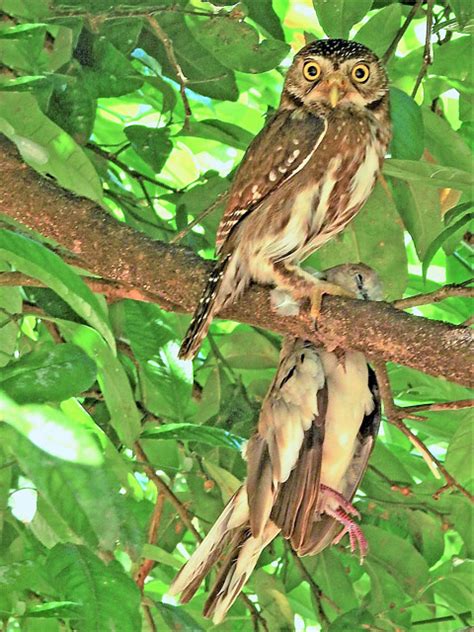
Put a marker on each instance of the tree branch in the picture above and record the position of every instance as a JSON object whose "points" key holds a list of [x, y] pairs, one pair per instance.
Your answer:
{"points": [[401, 32], [170, 54], [163, 488], [393, 414], [174, 277], [427, 56], [447, 291]]}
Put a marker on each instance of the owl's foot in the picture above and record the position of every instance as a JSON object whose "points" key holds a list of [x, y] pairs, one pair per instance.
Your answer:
{"points": [[342, 510], [303, 285], [319, 290]]}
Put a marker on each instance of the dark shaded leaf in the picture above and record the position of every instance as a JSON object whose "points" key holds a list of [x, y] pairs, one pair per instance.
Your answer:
{"points": [[109, 598], [191, 432], [52, 374], [151, 144], [220, 36]]}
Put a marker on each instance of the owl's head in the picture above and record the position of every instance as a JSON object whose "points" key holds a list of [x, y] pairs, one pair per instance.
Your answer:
{"points": [[335, 73]]}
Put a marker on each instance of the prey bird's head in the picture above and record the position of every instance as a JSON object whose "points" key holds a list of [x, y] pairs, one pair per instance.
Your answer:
{"points": [[335, 73], [357, 278]]}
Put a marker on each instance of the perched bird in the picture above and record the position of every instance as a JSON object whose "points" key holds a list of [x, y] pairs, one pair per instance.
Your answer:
{"points": [[302, 179], [316, 431]]}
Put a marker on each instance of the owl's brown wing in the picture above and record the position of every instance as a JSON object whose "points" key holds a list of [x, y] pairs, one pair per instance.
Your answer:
{"points": [[278, 152]]}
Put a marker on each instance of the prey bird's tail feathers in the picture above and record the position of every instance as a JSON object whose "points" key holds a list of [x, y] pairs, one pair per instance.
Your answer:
{"points": [[205, 310], [234, 515], [238, 566]]}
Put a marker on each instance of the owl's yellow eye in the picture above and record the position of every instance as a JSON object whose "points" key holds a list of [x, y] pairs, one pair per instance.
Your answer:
{"points": [[360, 73], [311, 70]]}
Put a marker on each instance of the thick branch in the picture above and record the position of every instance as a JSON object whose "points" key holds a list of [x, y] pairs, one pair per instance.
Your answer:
{"points": [[175, 276]]}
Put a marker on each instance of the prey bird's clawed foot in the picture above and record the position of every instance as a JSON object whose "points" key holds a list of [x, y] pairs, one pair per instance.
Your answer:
{"points": [[341, 510], [356, 536], [320, 288]]}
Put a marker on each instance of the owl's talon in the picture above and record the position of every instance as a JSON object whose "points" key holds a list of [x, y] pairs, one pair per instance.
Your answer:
{"points": [[322, 288]]}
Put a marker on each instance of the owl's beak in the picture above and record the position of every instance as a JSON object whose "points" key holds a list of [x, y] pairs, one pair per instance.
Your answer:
{"points": [[337, 87]]}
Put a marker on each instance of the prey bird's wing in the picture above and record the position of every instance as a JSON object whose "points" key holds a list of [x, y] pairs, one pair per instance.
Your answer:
{"points": [[289, 440], [325, 530], [282, 148]]}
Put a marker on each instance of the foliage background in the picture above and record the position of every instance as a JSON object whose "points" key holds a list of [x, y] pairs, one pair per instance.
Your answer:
{"points": [[89, 96]]}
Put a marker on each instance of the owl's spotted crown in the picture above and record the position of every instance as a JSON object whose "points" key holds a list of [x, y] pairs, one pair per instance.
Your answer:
{"points": [[337, 48]]}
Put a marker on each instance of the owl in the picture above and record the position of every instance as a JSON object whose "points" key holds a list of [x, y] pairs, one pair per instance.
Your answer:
{"points": [[316, 430], [302, 179]]}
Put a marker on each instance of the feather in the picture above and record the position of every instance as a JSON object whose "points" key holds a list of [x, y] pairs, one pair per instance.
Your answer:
{"points": [[235, 514], [201, 320]]}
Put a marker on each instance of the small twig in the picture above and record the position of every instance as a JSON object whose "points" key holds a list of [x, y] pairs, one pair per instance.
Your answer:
{"points": [[222, 197], [167, 492], [315, 589], [170, 54], [137, 175], [427, 55], [254, 613], [393, 415], [447, 291], [149, 617], [401, 32], [147, 564], [437, 407]]}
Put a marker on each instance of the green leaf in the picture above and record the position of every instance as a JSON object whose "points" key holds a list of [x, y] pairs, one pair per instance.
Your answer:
{"points": [[151, 144], [112, 378], [52, 431], [407, 121], [152, 552], [338, 16], [174, 618], [419, 208], [374, 237], [220, 36], [379, 32], [221, 131], [108, 72], [10, 303], [442, 238], [191, 432], [51, 374], [398, 557], [46, 147], [227, 482], [35, 260], [82, 502], [263, 13], [110, 599], [457, 212], [427, 173], [459, 454], [463, 10], [246, 348], [273, 600], [205, 73]]}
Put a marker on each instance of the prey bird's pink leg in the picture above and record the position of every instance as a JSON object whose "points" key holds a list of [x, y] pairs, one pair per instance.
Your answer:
{"points": [[343, 515]]}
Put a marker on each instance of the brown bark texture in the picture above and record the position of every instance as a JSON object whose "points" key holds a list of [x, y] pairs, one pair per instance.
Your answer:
{"points": [[173, 277]]}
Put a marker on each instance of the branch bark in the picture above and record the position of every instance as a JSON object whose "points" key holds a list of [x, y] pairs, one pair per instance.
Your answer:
{"points": [[175, 276]]}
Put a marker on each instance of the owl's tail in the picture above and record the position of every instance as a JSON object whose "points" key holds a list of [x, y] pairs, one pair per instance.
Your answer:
{"points": [[205, 310]]}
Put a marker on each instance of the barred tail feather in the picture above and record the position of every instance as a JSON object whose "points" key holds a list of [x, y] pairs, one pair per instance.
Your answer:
{"points": [[202, 318], [234, 515]]}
